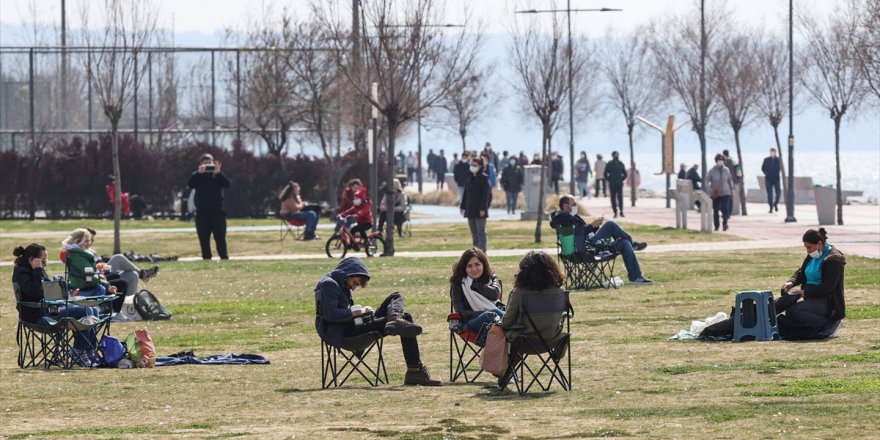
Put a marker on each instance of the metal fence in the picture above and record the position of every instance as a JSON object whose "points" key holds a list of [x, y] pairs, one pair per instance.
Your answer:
{"points": [[186, 94]]}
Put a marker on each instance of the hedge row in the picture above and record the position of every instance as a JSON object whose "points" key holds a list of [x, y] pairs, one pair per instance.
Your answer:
{"points": [[67, 180]]}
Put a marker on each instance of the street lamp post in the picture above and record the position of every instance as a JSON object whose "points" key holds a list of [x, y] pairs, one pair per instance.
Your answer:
{"points": [[568, 12], [789, 202]]}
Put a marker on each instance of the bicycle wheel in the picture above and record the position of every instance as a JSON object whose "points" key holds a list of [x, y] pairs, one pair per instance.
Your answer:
{"points": [[335, 248], [376, 246]]}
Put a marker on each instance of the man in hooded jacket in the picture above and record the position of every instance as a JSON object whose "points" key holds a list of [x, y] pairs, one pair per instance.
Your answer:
{"points": [[335, 318]]}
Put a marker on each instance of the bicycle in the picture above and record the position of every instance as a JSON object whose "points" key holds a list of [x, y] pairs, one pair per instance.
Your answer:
{"points": [[340, 242]]}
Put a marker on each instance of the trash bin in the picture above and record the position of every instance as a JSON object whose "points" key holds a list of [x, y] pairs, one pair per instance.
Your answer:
{"points": [[826, 202]]}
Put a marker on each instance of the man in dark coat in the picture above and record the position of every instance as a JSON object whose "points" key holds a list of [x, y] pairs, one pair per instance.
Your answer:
{"points": [[615, 174], [209, 181], [460, 173], [335, 317], [772, 168], [511, 181]]}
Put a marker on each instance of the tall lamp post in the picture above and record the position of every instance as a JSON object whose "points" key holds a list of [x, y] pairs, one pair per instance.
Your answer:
{"points": [[789, 202], [568, 12]]}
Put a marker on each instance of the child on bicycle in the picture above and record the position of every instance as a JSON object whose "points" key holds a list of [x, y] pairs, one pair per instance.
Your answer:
{"points": [[361, 213]]}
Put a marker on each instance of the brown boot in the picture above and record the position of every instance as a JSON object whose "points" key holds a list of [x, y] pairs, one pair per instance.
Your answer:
{"points": [[395, 325], [420, 376]]}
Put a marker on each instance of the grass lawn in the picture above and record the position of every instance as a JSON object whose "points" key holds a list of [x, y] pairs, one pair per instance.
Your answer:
{"points": [[629, 380], [506, 234]]}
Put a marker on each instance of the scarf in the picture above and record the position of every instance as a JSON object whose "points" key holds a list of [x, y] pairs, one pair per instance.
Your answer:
{"points": [[478, 303]]}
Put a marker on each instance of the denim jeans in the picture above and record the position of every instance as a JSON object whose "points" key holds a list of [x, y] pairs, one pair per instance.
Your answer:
{"points": [[309, 217], [479, 237], [86, 339], [583, 188], [623, 244], [476, 322], [511, 201], [771, 188]]}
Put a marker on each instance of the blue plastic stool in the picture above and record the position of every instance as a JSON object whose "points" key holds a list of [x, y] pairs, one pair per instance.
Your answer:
{"points": [[754, 317]]}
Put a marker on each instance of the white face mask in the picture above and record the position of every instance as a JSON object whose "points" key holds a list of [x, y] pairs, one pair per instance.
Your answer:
{"points": [[816, 254], [513, 162], [357, 202], [474, 169], [719, 163], [574, 210]]}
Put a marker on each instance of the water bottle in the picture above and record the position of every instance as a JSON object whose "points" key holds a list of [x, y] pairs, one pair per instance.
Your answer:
{"points": [[89, 272]]}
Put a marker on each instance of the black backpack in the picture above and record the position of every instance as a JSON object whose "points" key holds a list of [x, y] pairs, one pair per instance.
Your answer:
{"points": [[148, 306]]}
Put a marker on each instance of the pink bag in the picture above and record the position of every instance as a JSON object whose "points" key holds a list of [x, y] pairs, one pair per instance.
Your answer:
{"points": [[494, 356]]}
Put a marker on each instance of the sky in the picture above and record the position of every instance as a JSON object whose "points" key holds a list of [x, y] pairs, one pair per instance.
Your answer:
{"points": [[194, 24]]}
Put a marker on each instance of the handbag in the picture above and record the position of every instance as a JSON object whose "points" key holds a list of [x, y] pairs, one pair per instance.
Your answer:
{"points": [[494, 356], [713, 194]]}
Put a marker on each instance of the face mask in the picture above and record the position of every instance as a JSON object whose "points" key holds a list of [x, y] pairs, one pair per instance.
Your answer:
{"points": [[357, 202], [513, 162], [816, 254], [719, 163], [574, 210], [474, 169]]}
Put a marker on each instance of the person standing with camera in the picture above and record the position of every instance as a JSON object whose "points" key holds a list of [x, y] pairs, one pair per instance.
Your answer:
{"points": [[208, 181]]}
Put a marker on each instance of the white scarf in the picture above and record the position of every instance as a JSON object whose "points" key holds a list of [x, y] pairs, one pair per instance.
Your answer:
{"points": [[478, 303]]}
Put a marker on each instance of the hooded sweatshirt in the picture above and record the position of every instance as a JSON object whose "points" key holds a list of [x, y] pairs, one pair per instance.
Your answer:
{"points": [[333, 300], [831, 285]]}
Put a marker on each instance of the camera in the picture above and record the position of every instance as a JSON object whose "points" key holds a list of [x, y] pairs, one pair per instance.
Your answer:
{"points": [[210, 167]]}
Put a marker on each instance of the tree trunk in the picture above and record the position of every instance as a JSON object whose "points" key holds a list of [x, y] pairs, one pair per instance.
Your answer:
{"points": [[742, 180], [701, 134], [837, 166], [632, 166], [781, 165], [463, 143], [545, 147], [389, 187], [117, 181]]}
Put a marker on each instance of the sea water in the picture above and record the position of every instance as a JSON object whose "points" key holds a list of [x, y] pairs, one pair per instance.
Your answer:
{"points": [[859, 171]]}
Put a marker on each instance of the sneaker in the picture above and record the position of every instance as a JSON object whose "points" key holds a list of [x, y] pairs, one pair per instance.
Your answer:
{"points": [[397, 326], [149, 274], [420, 376], [641, 281], [639, 245]]}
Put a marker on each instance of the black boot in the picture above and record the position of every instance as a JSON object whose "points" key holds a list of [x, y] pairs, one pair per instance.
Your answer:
{"points": [[419, 376]]}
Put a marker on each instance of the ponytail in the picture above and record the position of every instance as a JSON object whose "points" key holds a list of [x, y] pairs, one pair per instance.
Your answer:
{"points": [[813, 236], [24, 254]]}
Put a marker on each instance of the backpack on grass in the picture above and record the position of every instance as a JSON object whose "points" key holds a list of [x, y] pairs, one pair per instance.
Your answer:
{"points": [[140, 349], [149, 307]]}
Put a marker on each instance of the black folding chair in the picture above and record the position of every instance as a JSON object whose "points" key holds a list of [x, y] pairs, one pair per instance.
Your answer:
{"points": [[354, 352], [464, 353], [586, 270], [547, 349], [51, 341]]}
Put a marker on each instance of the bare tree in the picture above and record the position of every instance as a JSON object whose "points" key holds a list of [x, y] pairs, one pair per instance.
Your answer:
{"points": [[633, 91], [832, 75], [736, 85], [469, 101], [681, 51], [866, 40], [772, 84], [413, 63], [541, 65], [113, 69], [317, 93], [267, 105]]}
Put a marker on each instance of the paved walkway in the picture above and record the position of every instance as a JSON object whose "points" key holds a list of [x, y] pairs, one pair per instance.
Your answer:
{"points": [[761, 230]]}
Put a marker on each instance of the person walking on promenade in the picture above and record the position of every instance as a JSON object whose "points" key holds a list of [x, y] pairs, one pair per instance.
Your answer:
{"points": [[599, 170], [772, 168], [720, 185], [582, 168], [511, 181], [615, 174]]}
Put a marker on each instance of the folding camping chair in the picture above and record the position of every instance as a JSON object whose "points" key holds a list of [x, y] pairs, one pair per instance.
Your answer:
{"points": [[293, 228], [51, 341], [548, 349], [355, 352], [464, 353], [585, 270]]}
